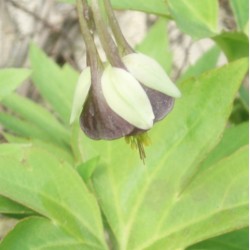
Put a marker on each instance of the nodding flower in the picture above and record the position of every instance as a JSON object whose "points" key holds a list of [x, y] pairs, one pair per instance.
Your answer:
{"points": [[116, 102], [125, 97]]}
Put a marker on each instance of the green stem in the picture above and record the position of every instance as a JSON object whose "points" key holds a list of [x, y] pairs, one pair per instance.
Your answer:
{"points": [[82, 8], [120, 39], [107, 42]]}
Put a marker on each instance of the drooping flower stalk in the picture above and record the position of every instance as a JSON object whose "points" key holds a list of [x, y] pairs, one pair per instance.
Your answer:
{"points": [[107, 42], [119, 37]]}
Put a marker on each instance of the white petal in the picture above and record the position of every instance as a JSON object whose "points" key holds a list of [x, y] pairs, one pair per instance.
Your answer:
{"points": [[81, 92], [149, 72], [127, 98]]}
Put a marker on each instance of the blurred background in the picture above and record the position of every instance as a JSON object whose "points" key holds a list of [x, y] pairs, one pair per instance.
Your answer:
{"points": [[53, 26]]}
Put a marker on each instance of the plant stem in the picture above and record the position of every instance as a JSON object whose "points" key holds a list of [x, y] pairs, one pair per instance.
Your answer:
{"points": [[107, 42], [120, 39], [82, 8]]}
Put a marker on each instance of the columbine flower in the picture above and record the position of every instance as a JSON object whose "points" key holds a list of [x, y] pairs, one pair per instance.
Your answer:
{"points": [[116, 104], [127, 97], [97, 119]]}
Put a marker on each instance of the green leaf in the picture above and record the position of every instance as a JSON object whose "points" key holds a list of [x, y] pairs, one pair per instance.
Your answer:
{"points": [[241, 12], [219, 198], [239, 113], [233, 44], [143, 204], [63, 154], [156, 44], [70, 77], [206, 62], [87, 168], [237, 240], [13, 138], [246, 29], [244, 96], [8, 206], [56, 85], [22, 128], [38, 116], [158, 7], [233, 139], [77, 144], [38, 180], [40, 233], [10, 79], [199, 19]]}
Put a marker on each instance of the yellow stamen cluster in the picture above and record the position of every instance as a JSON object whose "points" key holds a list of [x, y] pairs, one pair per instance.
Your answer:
{"points": [[138, 142]]}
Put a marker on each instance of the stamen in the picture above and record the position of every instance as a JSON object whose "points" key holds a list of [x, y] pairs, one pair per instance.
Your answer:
{"points": [[138, 142]]}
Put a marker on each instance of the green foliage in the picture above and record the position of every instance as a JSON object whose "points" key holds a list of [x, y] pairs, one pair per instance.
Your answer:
{"points": [[237, 134], [56, 85], [228, 41], [158, 7], [75, 193], [10, 79], [87, 168], [40, 181], [138, 188], [231, 241], [45, 235], [156, 44], [240, 9], [197, 18], [8, 206], [206, 62], [37, 116], [157, 195]]}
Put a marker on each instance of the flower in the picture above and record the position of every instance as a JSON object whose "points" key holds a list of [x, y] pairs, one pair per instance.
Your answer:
{"points": [[129, 95], [97, 119], [117, 102]]}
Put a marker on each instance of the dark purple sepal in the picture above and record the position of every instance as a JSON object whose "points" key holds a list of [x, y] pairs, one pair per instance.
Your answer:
{"points": [[162, 104]]}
